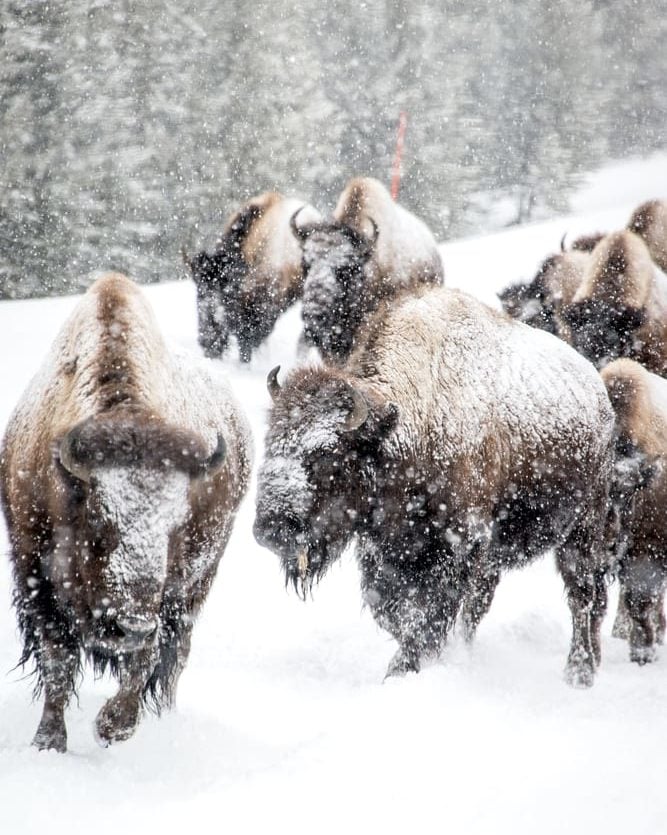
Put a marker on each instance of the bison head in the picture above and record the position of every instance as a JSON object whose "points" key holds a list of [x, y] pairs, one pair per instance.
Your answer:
{"points": [[314, 487], [527, 303], [335, 261], [129, 485], [602, 331]]}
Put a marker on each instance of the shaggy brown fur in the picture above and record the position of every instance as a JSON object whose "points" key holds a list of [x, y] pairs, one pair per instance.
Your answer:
{"points": [[253, 275], [620, 309], [649, 221], [639, 399], [121, 472], [454, 444]]}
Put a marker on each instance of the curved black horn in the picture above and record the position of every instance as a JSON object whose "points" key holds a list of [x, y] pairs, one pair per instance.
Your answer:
{"points": [[298, 232], [69, 461], [272, 383], [376, 232], [359, 413], [562, 242]]}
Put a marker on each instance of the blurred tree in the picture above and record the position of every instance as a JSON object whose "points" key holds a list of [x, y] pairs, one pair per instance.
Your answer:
{"points": [[129, 129]]}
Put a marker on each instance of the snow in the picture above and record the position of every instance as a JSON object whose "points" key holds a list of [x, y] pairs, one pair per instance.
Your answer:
{"points": [[282, 721]]}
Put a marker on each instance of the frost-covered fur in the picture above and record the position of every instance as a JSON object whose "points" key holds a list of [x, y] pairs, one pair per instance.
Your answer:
{"points": [[649, 221], [455, 443], [252, 276], [539, 303], [121, 472], [620, 308], [371, 249], [639, 508]]}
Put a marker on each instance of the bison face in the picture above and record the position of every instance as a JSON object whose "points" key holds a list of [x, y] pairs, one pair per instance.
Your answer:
{"points": [[130, 515], [217, 279], [312, 492], [129, 487], [603, 332], [525, 303], [335, 259], [252, 320]]}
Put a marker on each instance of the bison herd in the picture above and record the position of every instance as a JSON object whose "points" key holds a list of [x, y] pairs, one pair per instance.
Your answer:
{"points": [[446, 441]]}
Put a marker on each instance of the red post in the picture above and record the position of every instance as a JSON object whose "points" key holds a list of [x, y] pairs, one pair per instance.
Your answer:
{"points": [[396, 167]]}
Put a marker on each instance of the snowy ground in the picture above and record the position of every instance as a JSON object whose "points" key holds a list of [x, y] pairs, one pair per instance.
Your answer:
{"points": [[283, 723]]}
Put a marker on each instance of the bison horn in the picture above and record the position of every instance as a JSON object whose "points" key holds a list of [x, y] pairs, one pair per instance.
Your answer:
{"points": [[69, 461], [298, 231], [272, 383], [562, 242], [376, 232], [359, 413]]}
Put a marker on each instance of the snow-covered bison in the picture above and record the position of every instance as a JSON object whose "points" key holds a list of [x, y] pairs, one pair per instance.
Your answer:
{"points": [[371, 249], [620, 308], [121, 472], [455, 443], [649, 221], [639, 498], [253, 275], [539, 303]]}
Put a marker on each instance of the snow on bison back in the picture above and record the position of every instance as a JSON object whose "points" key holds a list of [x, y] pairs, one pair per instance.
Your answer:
{"points": [[455, 443], [122, 469]]}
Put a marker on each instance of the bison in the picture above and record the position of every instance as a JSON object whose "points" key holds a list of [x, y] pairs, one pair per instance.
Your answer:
{"points": [[649, 221], [371, 249], [455, 443], [122, 469], [620, 308], [639, 503], [253, 275], [539, 303]]}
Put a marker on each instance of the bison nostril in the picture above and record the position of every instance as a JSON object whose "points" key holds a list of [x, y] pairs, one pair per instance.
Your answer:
{"points": [[136, 626]]}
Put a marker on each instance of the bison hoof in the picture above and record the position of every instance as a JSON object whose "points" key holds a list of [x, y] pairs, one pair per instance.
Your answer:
{"points": [[401, 664], [50, 738], [642, 655], [117, 721], [579, 675]]}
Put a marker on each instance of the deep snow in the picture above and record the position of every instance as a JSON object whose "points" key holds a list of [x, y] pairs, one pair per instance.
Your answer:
{"points": [[282, 721]]}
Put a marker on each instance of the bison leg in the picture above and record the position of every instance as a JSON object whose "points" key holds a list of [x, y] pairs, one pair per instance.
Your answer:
{"points": [[49, 639], [415, 601], [583, 584], [659, 621], [621, 627], [478, 601], [119, 717], [212, 326], [57, 663], [643, 591]]}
